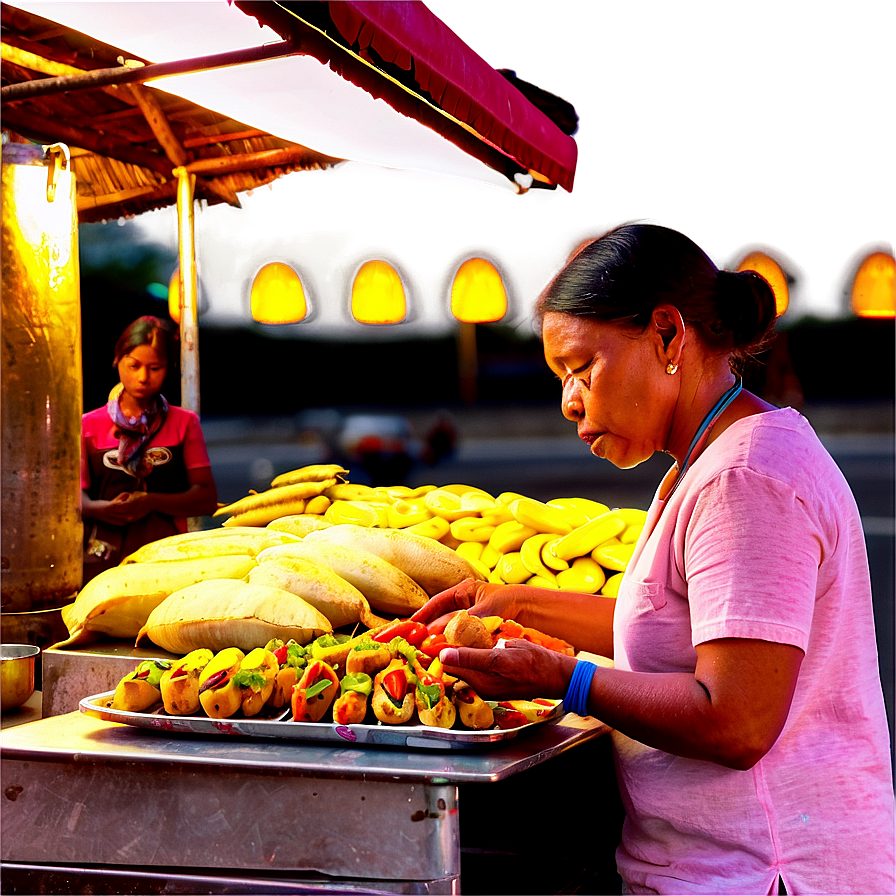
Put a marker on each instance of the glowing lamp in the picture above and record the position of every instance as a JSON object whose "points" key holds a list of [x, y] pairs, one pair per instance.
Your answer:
{"points": [[277, 296], [770, 269], [378, 294], [477, 294], [874, 286]]}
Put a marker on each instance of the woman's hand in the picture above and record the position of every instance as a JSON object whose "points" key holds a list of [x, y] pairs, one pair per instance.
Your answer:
{"points": [[122, 509], [481, 598], [518, 669]]}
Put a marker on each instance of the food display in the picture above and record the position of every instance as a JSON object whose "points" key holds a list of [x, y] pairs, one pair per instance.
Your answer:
{"points": [[381, 677], [297, 607]]}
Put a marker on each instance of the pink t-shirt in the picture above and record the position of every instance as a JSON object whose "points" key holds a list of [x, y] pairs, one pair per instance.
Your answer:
{"points": [[762, 539]]}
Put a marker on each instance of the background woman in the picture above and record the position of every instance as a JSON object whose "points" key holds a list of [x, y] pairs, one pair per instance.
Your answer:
{"points": [[144, 463], [749, 727]]}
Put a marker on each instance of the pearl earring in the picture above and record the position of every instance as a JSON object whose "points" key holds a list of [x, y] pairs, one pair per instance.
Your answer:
{"points": [[671, 369]]}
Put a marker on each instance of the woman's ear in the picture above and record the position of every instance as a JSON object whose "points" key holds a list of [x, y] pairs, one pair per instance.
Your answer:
{"points": [[668, 325]]}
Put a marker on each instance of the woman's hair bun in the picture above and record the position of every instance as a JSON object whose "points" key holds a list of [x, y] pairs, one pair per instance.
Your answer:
{"points": [[746, 304]]}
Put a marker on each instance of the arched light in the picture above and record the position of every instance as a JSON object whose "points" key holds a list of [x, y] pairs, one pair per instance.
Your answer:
{"points": [[378, 294], [477, 293], [773, 272], [874, 286], [174, 296], [277, 296]]}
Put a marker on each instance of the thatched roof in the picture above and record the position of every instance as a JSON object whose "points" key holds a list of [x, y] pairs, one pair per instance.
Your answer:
{"points": [[125, 139]]}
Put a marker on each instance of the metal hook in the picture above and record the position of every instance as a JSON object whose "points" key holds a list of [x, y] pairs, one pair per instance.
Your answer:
{"points": [[51, 152]]}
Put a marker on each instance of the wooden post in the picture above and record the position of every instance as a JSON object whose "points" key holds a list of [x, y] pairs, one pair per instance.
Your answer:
{"points": [[189, 330], [467, 361]]}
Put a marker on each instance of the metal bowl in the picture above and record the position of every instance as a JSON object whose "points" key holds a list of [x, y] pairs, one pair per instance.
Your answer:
{"points": [[16, 674]]}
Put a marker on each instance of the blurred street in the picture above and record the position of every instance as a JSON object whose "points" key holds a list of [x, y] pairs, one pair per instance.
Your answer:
{"points": [[534, 451]]}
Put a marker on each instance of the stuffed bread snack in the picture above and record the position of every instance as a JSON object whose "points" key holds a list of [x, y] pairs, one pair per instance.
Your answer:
{"points": [[256, 676], [180, 684], [350, 707], [218, 695], [139, 689], [315, 692], [473, 711], [393, 693], [293, 660]]}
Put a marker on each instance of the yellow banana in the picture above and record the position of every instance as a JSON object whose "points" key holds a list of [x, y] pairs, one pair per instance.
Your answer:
{"points": [[274, 497], [406, 512], [434, 528], [448, 505], [482, 570], [588, 508], [614, 555], [538, 516], [632, 515], [495, 577], [358, 513], [584, 575], [261, 516], [510, 536], [611, 586], [540, 582], [471, 528], [511, 570], [310, 473], [470, 550], [530, 555], [317, 504], [571, 513], [460, 489], [507, 498], [489, 556], [354, 491], [631, 533], [550, 559], [586, 538], [496, 515]]}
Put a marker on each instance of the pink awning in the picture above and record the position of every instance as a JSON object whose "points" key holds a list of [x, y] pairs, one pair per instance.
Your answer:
{"points": [[411, 46]]}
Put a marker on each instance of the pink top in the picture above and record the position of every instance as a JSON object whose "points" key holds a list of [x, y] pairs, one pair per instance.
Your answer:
{"points": [[762, 539]]}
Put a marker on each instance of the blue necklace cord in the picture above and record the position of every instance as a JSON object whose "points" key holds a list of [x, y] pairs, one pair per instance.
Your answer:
{"points": [[708, 422]]}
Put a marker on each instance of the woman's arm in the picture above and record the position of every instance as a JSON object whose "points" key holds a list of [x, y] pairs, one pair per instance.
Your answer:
{"points": [[729, 711], [199, 499]]}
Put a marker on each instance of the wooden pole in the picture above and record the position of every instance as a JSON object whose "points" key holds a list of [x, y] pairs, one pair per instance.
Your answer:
{"points": [[189, 330]]}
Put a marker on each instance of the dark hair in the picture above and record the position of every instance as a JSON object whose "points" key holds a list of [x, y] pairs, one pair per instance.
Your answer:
{"points": [[624, 274], [146, 330]]}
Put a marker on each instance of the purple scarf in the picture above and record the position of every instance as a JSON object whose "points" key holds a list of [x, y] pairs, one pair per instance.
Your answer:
{"points": [[133, 433]]}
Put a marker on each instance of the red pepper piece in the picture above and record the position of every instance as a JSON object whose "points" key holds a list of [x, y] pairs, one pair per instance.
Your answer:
{"points": [[281, 653], [179, 672], [433, 644], [412, 632], [214, 681], [395, 684]]}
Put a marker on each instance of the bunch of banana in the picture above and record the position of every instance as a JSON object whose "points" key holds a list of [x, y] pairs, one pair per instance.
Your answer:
{"points": [[290, 493]]}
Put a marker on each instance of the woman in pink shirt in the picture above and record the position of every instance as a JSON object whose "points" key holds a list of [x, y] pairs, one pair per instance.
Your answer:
{"points": [[749, 729], [144, 464]]}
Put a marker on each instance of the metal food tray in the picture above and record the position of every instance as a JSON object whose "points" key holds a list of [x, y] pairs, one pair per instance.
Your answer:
{"points": [[282, 727]]}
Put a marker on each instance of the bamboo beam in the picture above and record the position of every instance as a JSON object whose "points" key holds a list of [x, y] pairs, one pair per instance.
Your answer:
{"points": [[155, 118], [212, 139], [35, 63], [129, 75], [177, 155], [266, 158]]}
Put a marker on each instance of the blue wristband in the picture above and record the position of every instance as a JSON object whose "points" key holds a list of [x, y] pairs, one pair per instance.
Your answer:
{"points": [[576, 699]]}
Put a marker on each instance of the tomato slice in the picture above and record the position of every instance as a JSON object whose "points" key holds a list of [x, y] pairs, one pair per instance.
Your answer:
{"points": [[432, 645], [395, 684]]}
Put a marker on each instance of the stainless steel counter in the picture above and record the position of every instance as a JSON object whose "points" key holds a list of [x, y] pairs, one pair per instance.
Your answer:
{"points": [[78, 791]]}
